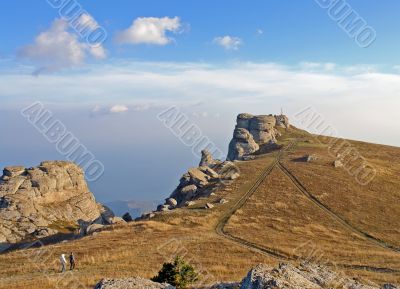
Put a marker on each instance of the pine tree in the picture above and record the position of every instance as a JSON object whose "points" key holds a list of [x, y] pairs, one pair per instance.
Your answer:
{"points": [[177, 273]]}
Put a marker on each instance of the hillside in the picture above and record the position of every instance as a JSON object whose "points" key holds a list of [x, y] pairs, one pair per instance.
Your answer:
{"points": [[281, 208]]}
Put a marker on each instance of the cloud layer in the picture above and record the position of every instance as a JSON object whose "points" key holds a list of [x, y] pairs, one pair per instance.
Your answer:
{"points": [[366, 98]]}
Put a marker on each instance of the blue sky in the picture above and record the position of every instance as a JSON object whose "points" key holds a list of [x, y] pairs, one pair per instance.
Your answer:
{"points": [[294, 31], [212, 59]]}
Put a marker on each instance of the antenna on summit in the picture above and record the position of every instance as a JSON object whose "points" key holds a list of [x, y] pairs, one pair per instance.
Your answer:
{"points": [[281, 111]]}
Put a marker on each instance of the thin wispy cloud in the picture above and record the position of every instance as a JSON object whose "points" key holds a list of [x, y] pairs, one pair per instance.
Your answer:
{"points": [[150, 30], [118, 108], [228, 42]]}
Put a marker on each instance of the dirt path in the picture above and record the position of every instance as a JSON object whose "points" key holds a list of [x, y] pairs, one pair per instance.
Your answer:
{"points": [[280, 255], [333, 215]]}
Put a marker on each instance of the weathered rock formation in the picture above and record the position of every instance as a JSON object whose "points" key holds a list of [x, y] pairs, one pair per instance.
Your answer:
{"points": [[304, 276], [201, 181], [41, 201], [197, 183], [251, 132], [131, 283]]}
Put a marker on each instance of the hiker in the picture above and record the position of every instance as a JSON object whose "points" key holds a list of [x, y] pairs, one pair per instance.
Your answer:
{"points": [[63, 263], [71, 261]]}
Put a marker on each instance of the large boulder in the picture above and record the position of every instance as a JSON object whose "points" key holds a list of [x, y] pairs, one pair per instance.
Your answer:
{"points": [[131, 283], [241, 144], [127, 217], [37, 202], [207, 160]]}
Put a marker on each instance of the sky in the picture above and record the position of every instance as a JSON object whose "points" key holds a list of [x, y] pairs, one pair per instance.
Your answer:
{"points": [[105, 70]]}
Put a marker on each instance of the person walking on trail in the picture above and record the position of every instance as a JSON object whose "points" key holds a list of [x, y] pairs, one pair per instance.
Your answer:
{"points": [[71, 261], [63, 263]]}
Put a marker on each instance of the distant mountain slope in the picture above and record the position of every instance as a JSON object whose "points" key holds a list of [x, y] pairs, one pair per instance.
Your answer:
{"points": [[135, 208], [291, 204]]}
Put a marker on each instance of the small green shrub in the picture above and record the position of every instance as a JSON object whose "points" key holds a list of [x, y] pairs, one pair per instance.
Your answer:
{"points": [[178, 274]]}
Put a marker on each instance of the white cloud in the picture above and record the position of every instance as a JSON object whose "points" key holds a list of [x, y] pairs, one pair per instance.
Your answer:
{"points": [[86, 20], [260, 31], [317, 66], [59, 47], [149, 30], [118, 108], [228, 42]]}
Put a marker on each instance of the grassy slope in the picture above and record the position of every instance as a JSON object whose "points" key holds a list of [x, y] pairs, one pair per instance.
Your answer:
{"points": [[276, 216]]}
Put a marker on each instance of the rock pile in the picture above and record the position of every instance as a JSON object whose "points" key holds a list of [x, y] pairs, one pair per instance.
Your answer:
{"points": [[131, 283], [37, 202], [304, 276], [198, 182], [251, 132], [201, 181]]}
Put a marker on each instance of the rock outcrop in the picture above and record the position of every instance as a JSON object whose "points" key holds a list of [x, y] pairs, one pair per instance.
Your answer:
{"points": [[198, 182], [252, 132], [41, 201], [131, 283], [201, 181], [304, 276]]}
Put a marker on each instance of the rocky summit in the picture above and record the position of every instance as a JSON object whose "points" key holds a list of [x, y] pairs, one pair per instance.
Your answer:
{"points": [[45, 200], [254, 131]]}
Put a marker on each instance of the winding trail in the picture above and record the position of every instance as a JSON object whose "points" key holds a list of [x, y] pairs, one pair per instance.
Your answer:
{"points": [[333, 215], [280, 255]]}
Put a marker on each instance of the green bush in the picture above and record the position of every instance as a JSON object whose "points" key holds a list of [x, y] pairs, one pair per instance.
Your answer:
{"points": [[178, 274]]}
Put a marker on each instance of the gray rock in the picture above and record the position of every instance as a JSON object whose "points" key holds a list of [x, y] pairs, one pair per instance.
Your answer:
{"points": [[131, 283], [242, 144], [163, 208], [32, 200], [190, 189], [209, 206], [251, 132], [304, 276], [94, 228], [282, 121], [207, 159], [337, 164], [310, 158], [171, 202], [209, 172], [127, 217], [225, 285], [116, 220], [13, 171]]}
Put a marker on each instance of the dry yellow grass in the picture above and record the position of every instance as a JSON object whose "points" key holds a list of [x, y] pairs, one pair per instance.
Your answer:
{"points": [[276, 216]]}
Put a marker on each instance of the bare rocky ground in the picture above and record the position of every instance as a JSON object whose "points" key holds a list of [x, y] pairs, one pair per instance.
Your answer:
{"points": [[304, 276]]}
